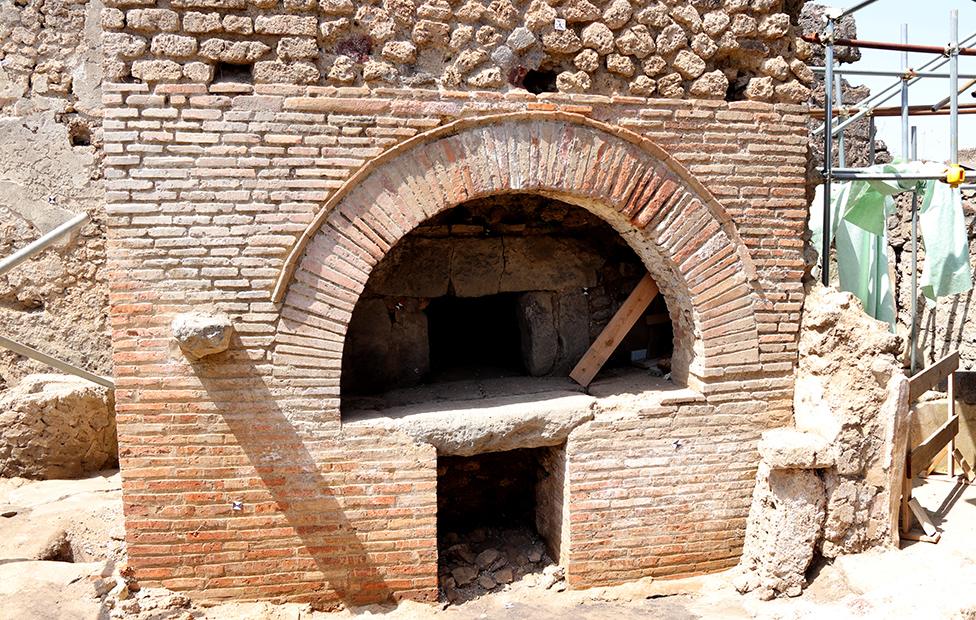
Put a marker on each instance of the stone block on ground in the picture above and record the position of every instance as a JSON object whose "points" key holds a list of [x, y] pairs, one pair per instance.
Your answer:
{"points": [[56, 426]]}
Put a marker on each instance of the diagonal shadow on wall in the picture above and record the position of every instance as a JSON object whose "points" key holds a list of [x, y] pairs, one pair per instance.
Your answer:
{"points": [[301, 493]]}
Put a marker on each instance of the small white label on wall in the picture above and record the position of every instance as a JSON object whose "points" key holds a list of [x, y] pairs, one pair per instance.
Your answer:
{"points": [[559, 24]]}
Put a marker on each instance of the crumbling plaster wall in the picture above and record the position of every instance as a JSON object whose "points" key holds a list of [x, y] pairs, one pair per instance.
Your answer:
{"points": [[825, 485], [50, 169]]}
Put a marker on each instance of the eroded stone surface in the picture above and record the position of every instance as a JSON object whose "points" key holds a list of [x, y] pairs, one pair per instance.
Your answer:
{"points": [[56, 426], [785, 523], [200, 335]]}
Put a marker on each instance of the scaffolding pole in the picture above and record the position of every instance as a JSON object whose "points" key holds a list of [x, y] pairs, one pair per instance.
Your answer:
{"points": [[907, 73], [884, 95], [828, 156], [913, 337]]}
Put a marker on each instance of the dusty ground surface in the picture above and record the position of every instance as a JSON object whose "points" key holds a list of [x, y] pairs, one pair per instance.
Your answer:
{"points": [[919, 581]]}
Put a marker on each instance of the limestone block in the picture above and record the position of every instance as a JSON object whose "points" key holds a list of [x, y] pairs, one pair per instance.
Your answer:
{"points": [[787, 448], [343, 70], [470, 12], [521, 39], [537, 326], [288, 73], [173, 46], [760, 89], [200, 335], [487, 78], [157, 70], [488, 36], [56, 426], [297, 25], [562, 42], [744, 26], [112, 19], [539, 16], [703, 46], [598, 37], [621, 65], [671, 39], [586, 60], [670, 85], [776, 67], [427, 32], [236, 52], [643, 86], [331, 30], [153, 20], [197, 23], [198, 72], [687, 16], [636, 41], [712, 85], [238, 24], [337, 7], [792, 92], [617, 14], [377, 71], [688, 65], [400, 51], [296, 48], [575, 11], [715, 22], [573, 82], [653, 65], [774, 26], [123, 45], [655, 16]]}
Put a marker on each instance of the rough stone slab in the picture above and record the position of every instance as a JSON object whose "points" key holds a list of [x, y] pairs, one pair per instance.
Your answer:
{"points": [[787, 448], [492, 425]]}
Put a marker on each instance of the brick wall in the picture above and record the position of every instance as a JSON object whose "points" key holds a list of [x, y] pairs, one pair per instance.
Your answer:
{"points": [[211, 189]]}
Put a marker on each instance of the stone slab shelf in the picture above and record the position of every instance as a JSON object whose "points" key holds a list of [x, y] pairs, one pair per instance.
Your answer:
{"points": [[465, 418]]}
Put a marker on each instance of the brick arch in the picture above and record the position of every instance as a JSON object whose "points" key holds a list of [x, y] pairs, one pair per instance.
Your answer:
{"points": [[684, 236]]}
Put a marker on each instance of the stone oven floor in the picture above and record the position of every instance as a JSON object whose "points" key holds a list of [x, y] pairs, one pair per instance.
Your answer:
{"points": [[489, 415]]}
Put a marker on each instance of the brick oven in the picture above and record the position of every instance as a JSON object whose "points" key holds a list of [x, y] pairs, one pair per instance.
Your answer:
{"points": [[418, 217]]}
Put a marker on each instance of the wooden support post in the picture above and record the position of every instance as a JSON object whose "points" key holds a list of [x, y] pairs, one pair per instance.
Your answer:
{"points": [[923, 517], [906, 497], [967, 471], [926, 451], [615, 331], [951, 395]]}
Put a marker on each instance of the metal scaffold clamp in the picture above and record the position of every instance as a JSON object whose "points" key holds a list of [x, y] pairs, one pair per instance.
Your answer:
{"points": [[955, 175]]}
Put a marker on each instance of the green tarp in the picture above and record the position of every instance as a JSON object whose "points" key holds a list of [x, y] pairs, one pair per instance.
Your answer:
{"points": [[859, 210]]}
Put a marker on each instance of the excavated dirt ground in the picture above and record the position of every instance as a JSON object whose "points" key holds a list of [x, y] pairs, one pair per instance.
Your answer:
{"points": [[919, 581]]}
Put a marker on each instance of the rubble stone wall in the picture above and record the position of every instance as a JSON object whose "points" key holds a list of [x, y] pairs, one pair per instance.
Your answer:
{"points": [[210, 187], [674, 48]]}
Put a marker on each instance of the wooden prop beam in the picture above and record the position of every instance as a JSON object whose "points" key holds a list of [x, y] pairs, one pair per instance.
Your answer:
{"points": [[930, 448], [925, 380], [615, 331]]}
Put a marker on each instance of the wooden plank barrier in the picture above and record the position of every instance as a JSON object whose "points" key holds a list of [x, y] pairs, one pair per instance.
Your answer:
{"points": [[920, 459]]}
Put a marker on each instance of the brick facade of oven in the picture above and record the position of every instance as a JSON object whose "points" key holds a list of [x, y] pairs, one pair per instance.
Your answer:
{"points": [[272, 202], [211, 188]]}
